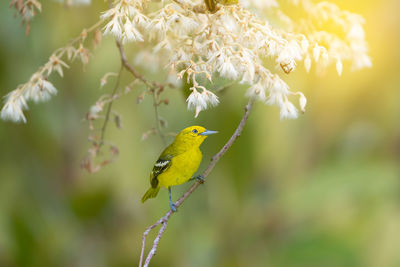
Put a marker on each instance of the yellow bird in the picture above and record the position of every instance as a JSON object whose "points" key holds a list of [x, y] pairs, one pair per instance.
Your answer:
{"points": [[178, 162]]}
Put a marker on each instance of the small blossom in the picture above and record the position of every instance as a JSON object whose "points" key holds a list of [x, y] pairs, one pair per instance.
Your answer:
{"points": [[316, 52], [131, 34], [307, 63], [40, 91], [195, 101], [13, 108], [201, 101], [71, 51], [95, 110], [302, 102], [227, 69], [257, 91], [288, 110], [83, 54], [56, 64], [210, 98], [288, 56], [113, 28], [157, 29]]}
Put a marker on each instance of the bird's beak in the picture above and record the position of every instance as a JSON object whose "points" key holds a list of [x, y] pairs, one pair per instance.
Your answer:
{"points": [[208, 132]]}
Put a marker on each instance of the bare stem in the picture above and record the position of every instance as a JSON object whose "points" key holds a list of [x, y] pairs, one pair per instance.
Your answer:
{"points": [[137, 75], [158, 119], [164, 220], [108, 112], [154, 87]]}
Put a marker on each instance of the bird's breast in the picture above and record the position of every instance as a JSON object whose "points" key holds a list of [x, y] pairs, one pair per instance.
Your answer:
{"points": [[182, 168]]}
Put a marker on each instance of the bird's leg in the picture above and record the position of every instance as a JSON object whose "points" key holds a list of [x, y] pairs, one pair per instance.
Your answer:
{"points": [[171, 204], [198, 178]]}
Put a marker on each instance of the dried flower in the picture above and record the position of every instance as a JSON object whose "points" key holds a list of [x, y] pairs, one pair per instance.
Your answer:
{"points": [[14, 105], [201, 101]]}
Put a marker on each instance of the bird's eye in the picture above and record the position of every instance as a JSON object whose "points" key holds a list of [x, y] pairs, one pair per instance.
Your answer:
{"points": [[194, 131]]}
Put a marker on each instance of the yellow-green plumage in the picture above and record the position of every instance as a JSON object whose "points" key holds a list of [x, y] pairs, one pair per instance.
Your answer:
{"points": [[179, 161]]}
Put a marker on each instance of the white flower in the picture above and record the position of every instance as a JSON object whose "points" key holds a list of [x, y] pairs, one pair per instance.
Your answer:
{"points": [[227, 69], [108, 14], [288, 110], [257, 91], [14, 105], [201, 101], [55, 63], [95, 110], [141, 20], [210, 98], [183, 25], [113, 28], [278, 89], [287, 57], [40, 90], [157, 29], [195, 101], [305, 44], [131, 34], [316, 52], [302, 101]]}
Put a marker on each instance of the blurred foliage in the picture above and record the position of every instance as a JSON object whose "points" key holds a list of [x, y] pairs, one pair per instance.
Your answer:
{"points": [[323, 190]]}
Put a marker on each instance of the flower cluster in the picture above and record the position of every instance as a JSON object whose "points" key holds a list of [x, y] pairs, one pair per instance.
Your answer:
{"points": [[27, 9], [234, 43], [126, 20], [39, 88]]}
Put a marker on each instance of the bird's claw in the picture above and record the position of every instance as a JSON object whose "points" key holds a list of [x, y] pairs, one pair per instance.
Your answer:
{"points": [[200, 179], [173, 207]]}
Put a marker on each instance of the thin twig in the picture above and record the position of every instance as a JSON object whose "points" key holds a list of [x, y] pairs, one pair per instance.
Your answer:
{"points": [[154, 87], [107, 117], [137, 75], [164, 220], [158, 120]]}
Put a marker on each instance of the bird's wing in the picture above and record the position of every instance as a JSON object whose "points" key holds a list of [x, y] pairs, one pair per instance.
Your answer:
{"points": [[161, 165]]}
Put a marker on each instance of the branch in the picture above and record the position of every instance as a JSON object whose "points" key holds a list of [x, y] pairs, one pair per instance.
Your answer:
{"points": [[154, 87], [164, 220], [158, 119], [137, 75], [107, 118]]}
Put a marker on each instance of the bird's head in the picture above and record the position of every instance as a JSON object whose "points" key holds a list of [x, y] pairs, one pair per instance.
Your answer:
{"points": [[193, 136]]}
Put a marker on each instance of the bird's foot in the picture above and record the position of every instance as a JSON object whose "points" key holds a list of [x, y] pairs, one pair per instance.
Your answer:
{"points": [[199, 178], [173, 207]]}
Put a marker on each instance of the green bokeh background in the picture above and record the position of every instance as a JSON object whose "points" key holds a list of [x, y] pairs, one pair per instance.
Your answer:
{"points": [[322, 190]]}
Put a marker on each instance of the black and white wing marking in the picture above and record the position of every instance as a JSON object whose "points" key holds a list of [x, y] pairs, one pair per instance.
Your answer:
{"points": [[162, 164]]}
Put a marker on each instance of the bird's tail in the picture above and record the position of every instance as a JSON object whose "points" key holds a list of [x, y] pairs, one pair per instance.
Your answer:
{"points": [[151, 193]]}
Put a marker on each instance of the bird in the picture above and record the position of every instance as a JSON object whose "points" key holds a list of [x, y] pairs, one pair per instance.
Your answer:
{"points": [[178, 162]]}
